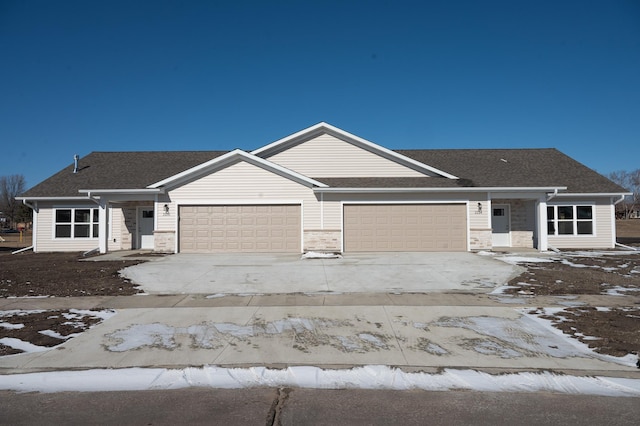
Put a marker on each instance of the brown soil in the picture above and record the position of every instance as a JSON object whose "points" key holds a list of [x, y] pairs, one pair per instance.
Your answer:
{"points": [[579, 275], [614, 331], [61, 275]]}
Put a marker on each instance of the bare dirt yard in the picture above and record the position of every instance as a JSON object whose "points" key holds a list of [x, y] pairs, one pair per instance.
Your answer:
{"points": [[613, 331]]}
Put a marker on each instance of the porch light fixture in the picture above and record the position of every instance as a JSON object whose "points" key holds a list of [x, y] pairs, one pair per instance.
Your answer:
{"points": [[166, 209], [479, 208]]}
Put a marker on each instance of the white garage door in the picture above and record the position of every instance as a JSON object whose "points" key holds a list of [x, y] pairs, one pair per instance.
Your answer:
{"points": [[240, 228], [405, 227]]}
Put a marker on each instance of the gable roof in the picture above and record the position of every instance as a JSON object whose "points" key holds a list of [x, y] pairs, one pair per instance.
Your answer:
{"points": [[231, 158], [326, 128], [119, 170]]}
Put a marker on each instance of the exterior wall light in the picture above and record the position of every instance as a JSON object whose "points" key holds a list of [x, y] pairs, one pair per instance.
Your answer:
{"points": [[166, 209], [479, 208]]}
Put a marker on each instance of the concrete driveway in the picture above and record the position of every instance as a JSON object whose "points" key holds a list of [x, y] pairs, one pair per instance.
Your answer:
{"points": [[219, 274]]}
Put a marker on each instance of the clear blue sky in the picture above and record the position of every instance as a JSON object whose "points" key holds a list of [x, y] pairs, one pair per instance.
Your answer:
{"points": [[82, 76]]}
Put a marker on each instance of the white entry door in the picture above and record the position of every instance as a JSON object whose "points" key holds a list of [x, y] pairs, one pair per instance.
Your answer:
{"points": [[500, 225], [145, 228]]}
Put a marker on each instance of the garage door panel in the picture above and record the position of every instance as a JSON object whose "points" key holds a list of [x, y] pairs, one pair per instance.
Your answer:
{"points": [[240, 228], [405, 227]]}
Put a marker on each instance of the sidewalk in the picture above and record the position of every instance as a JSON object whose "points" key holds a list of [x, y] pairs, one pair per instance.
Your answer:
{"points": [[415, 332]]}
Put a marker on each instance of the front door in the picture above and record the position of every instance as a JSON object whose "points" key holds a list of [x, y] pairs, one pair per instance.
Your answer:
{"points": [[500, 225], [145, 228]]}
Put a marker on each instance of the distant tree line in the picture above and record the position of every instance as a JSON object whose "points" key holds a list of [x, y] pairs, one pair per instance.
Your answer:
{"points": [[630, 181], [12, 210]]}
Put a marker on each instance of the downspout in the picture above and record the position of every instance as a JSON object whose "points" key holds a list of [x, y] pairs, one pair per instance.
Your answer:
{"points": [[551, 196], [34, 234], [617, 244], [622, 197]]}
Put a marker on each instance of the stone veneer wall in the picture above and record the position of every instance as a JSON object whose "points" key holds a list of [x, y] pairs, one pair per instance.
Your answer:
{"points": [[164, 241], [327, 241], [480, 239], [128, 230]]}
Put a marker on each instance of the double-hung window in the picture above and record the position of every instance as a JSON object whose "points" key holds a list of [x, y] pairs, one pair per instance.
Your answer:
{"points": [[570, 220], [76, 223]]}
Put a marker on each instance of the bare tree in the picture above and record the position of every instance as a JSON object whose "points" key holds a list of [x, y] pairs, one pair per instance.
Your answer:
{"points": [[631, 182], [11, 187]]}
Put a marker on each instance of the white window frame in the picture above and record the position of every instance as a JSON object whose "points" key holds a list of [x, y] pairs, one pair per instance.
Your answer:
{"points": [[574, 220], [93, 211]]}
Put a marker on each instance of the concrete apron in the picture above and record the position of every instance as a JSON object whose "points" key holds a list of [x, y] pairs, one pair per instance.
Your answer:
{"points": [[420, 337], [286, 273]]}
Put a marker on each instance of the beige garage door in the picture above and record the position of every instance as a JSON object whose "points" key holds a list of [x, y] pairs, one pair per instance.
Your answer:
{"points": [[240, 228], [405, 227]]}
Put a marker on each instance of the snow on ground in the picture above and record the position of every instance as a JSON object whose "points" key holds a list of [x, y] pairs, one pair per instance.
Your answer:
{"points": [[619, 291], [320, 255], [367, 377], [515, 260]]}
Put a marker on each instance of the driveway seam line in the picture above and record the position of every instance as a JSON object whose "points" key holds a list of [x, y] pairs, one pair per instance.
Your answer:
{"points": [[395, 335]]}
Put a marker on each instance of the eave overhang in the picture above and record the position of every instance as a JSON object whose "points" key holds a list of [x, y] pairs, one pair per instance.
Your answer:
{"points": [[593, 194], [134, 191], [545, 189]]}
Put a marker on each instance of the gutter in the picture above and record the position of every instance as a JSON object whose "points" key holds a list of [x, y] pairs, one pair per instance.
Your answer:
{"points": [[451, 189]]}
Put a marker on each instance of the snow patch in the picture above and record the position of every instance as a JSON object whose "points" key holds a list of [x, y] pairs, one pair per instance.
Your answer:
{"points": [[367, 377], [320, 255]]}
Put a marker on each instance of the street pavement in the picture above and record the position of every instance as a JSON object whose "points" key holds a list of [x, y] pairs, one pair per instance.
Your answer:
{"points": [[261, 406]]}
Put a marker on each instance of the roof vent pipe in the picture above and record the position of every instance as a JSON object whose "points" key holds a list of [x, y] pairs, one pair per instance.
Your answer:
{"points": [[75, 163]]}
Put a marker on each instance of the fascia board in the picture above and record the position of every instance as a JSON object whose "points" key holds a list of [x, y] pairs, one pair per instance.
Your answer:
{"points": [[233, 156], [290, 138], [457, 189], [387, 153], [51, 198], [592, 194], [123, 191]]}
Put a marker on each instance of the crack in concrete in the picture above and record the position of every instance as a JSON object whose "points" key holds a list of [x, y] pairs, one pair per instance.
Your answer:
{"points": [[275, 412]]}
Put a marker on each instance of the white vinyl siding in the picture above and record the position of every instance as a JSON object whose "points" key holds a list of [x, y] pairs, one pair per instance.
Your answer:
{"points": [[603, 227], [240, 183], [46, 241], [328, 156]]}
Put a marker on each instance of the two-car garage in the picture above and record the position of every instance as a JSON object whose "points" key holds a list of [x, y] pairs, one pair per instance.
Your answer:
{"points": [[366, 228]]}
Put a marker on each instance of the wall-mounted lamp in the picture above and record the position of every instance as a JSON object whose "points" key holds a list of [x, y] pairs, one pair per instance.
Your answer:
{"points": [[479, 208], [166, 209]]}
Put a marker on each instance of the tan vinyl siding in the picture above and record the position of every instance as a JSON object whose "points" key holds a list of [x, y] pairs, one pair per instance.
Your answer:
{"points": [[45, 238], [328, 156], [603, 225], [242, 183]]}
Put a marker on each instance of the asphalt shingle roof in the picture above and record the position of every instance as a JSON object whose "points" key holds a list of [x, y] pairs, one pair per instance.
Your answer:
{"points": [[474, 167], [516, 168], [119, 170]]}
